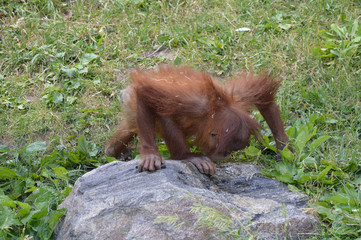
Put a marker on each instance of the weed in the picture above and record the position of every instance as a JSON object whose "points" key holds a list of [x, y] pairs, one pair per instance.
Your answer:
{"points": [[340, 42], [34, 183]]}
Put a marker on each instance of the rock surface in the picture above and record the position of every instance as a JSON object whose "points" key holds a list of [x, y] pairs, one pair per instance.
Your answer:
{"points": [[114, 201]]}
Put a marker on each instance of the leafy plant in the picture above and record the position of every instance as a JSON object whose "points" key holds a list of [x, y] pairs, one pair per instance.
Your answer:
{"points": [[12, 102], [342, 208], [277, 23], [300, 166], [81, 67], [339, 41], [342, 203], [53, 96], [31, 191]]}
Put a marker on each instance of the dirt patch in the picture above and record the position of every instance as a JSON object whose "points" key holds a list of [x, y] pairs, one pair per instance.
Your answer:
{"points": [[7, 141], [162, 52]]}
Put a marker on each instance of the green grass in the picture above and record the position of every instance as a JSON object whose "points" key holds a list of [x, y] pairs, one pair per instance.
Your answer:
{"points": [[62, 64]]}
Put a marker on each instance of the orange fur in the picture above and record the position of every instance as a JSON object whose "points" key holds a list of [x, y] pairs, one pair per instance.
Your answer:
{"points": [[178, 103]]}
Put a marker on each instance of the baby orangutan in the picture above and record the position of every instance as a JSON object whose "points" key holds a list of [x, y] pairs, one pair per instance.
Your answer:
{"points": [[178, 103]]}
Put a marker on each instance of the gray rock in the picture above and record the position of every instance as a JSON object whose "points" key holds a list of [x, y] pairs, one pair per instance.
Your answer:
{"points": [[115, 201]]}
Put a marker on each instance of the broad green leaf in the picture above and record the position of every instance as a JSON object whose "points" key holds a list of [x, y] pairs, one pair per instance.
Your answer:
{"points": [[4, 149], [6, 201], [326, 212], [325, 162], [96, 151], [324, 172], [24, 209], [317, 51], [357, 181], [273, 148], [266, 143], [110, 159], [61, 173], [7, 173], [287, 154], [45, 231], [354, 29], [350, 190], [316, 143], [83, 70], [35, 214], [49, 159], [304, 178], [58, 98], [268, 173], [7, 218], [293, 188], [285, 26], [285, 167], [71, 99], [36, 147], [309, 162], [357, 40], [19, 187], [54, 218], [341, 32], [312, 134], [67, 191], [350, 51], [312, 120], [291, 132], [31, 189], [303, 137], [83, 146], [73, 157], [341, 198], [70, 72], [323, 204], [46, 173], [252, 151], [286, 178], [60, 55], [266, 139], [326, 35], [335, 53], [300, 141], [177, 61], [41, 198], [10, 203], [87, 58]]}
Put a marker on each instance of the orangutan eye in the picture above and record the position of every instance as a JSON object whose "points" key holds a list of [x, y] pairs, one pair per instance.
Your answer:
{"points": [[213, 134]]}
